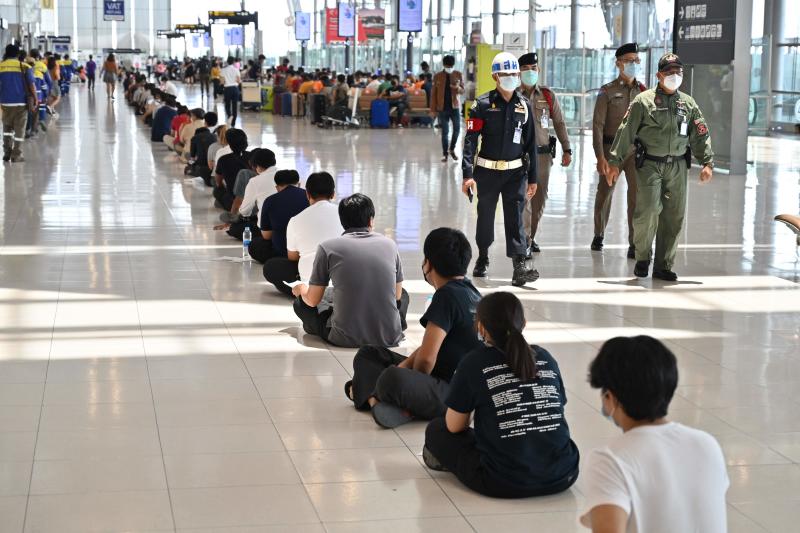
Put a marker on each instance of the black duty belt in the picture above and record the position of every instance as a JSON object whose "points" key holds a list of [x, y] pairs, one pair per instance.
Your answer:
{"points": [[541, 150], [608, 140], [665, 158]]}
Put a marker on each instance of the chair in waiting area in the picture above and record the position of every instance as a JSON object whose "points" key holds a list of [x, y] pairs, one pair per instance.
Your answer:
{"points": [[793, 223]]}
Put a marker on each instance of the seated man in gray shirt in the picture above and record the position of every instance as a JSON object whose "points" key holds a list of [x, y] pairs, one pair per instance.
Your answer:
{"points": [[369, 302]]}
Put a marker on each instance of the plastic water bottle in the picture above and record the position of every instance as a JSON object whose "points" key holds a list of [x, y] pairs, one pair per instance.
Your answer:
{"points": [[247, 236]]}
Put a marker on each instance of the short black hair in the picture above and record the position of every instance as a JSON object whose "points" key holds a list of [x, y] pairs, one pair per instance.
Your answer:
{"points": [[287, 177], [448, 251], [356, 211], [263, 157], [340, 78], [237, 140], [230, 60], [198, 113], [211, 118], [320, 186], [182, 109], [448, 61], [640, 371]]}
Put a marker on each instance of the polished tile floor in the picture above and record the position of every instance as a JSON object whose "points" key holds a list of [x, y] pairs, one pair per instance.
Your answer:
{"points": [[145, 385]]}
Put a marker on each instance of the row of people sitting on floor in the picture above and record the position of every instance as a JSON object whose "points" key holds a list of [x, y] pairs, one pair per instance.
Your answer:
{"points": [[495, 402]]}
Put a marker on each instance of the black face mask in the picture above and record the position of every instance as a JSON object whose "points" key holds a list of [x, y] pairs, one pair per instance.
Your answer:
{"points": [[425, 274]]}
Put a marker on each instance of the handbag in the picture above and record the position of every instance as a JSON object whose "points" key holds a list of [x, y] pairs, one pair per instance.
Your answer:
{"points": [[30, 98]]}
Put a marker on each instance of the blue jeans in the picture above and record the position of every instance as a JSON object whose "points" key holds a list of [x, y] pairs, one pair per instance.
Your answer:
{"points": [[445, 118]]}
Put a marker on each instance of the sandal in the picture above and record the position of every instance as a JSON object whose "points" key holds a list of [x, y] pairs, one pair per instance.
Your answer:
{"points": [[348, 390]]}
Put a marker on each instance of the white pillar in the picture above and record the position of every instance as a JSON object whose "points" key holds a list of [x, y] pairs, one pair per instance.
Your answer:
{"points": [[627, 21], [531, 25], [574, 25], [742, 64], [133, 23], [779, 8]]}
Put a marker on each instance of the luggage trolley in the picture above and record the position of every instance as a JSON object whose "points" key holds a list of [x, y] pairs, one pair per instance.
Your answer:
{"points": [[335, 117], [251, 95]]}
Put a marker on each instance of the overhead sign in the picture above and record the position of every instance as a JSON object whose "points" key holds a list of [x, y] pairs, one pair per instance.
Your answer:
{"points": [[410, 18], [514, 43], [302, 26], [239, 18], [118, 51], [192, 28], [372, 22], [59, 43], [169, 34], [347, 20], [704, 31], [114, 10], [233, 36]]}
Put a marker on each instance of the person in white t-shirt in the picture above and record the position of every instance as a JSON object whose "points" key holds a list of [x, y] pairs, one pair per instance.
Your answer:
{"points": [[306, 230], [231, 78], [168, 87], [658, 476]]}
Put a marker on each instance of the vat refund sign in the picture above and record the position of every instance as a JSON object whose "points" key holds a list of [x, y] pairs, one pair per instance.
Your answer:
{"points": [[114, 10]]}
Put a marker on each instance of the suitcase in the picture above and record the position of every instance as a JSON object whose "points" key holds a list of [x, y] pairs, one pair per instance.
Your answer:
{"points": [[267, 102], [379, 114], [298, 109], [317, 104], [277, 100], [286, 104]]}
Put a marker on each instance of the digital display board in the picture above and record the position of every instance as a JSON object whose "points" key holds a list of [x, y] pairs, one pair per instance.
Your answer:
{"points": [[302, 26], [410, 18], [347, 20]]}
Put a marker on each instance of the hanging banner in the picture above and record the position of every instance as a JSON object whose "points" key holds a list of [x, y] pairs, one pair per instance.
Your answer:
{"points": [[114, 10]]}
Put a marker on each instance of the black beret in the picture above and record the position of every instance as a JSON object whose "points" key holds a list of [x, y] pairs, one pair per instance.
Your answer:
{"points": [[669, 60], [531, 58], [628, 48]]}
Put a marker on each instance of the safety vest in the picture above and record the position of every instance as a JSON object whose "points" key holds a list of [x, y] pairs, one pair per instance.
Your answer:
{"points": [[12, 88]]}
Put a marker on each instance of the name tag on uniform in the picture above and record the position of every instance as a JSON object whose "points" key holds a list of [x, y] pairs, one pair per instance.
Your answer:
{"points": [[683, 129], [518, 134], [545, 120]]}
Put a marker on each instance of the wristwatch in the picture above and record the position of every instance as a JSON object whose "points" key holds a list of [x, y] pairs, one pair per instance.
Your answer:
{"points": [[568, 151]]}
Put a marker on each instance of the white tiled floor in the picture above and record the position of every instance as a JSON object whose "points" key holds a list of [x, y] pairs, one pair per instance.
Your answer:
{"points": [[145, 386]]}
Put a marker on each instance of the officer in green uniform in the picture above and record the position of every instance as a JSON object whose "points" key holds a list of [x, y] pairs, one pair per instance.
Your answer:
{"points": [[666, 123]]}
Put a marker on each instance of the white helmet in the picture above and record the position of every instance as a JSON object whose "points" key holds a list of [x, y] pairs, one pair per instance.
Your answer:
{"points": [[505, 62]]}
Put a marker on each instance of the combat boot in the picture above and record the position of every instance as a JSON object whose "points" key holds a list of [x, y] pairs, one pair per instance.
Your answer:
{"points": [[523, 274], [481, 265], [597, 243], [641, 269]]}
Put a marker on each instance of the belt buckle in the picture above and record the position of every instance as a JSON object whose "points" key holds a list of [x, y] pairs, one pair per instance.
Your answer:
{"points": [[501, 165], [669, 159]]}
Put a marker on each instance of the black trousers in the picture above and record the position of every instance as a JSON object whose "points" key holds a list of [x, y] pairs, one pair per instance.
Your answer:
{"points": [[261, 249], [512, 186], [459, 454], [90, 81], [225, 198], [446, 118], [315, 322], [231, 98], [204, 84], [236, 230], [280, 269], [375, 373]]}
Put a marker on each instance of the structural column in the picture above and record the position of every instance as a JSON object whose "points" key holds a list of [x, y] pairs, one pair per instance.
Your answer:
{"points": [[627, 21], [531, 25], [742, 64], [574, 25], [778, 35]]}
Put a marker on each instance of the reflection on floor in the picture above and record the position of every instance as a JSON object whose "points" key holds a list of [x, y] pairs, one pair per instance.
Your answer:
{"points": [[146, 386]]}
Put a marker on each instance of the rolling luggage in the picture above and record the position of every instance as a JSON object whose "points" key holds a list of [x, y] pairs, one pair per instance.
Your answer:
{"points": [[267, 101], [297, 105], [379, 114], [317, 104], [286, 104], [277, 100]]}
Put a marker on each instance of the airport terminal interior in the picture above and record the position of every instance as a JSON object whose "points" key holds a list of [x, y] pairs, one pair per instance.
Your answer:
{"points": [[152, 380]]}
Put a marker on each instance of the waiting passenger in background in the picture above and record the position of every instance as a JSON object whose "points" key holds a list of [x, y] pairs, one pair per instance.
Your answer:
{"points": [[162, 119], [274, 216], [398, 98], [215, 148], [168, 87], [340, 92], [228, 166], [521, 443], [444, 104], [254, 191], [182, 146], [305, 232], [365, 309], [374, 84], [198, 151], [658, 476], [181, 119], [398, 389], [234, 220]]}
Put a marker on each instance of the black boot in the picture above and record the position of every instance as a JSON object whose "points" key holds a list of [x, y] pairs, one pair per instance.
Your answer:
{"points": [[641, 269], [523, 274], [597, 243], [481, 265], [631, 252], [666, 275]]}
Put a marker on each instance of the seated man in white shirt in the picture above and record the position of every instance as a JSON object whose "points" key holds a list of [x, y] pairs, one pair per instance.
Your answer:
{"points": [[168, 87], [306, 231], [249, 194], [658, 476]]}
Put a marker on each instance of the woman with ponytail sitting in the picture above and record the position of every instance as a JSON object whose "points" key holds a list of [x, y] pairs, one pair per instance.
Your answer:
{"points": [[521, 445]]}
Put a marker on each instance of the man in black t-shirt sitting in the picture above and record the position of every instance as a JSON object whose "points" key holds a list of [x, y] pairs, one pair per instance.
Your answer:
{"points": [[228, 168], [397, 388]]}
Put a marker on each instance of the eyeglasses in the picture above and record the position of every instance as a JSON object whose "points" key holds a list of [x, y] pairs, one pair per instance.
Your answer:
{"points": [[636, 61]]}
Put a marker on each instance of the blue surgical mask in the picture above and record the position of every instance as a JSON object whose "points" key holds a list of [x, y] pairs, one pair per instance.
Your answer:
{"points": [[530, 77], [629, 69], [609, 416], [509, 83]]}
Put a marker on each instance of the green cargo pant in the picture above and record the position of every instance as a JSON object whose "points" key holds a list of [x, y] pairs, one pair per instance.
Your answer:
{"points": [[660, 208], [15, 119]]}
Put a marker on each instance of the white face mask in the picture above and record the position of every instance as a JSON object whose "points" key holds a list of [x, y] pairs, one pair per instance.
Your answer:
{"points": [[449, 70], [673, 81], [629, 69], [509, 83]]}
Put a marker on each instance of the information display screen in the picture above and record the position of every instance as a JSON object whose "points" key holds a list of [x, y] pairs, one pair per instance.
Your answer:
{"points": [[302, 26], [410, 18], [347, 20]]}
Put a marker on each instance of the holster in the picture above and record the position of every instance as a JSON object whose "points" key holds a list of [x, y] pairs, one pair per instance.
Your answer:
{"points": [[688, 157], [641, 153], [552, 147]]}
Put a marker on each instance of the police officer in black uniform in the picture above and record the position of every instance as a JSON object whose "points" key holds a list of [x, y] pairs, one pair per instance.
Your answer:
{"points": [[505, 165]]}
